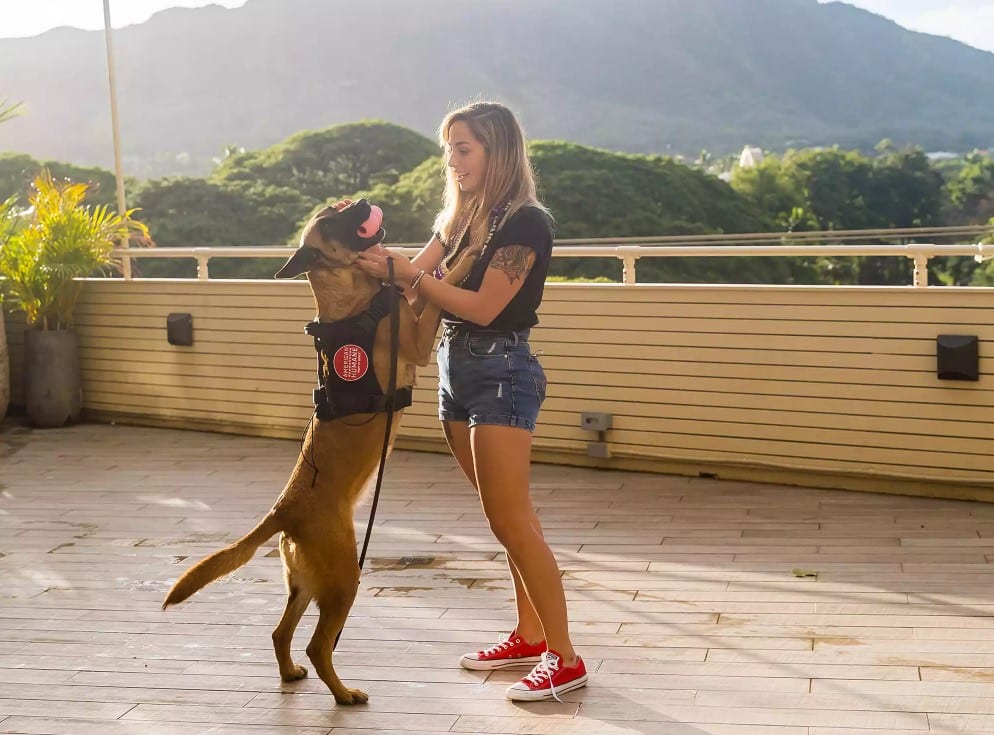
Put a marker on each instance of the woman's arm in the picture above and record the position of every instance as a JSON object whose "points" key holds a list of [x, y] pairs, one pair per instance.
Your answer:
{"points": [[503, 279], [430, 256]]}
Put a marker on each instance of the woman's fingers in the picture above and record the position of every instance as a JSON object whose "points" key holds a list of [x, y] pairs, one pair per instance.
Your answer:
{"points": [[369, 268], [374, 262], [374, 254]]}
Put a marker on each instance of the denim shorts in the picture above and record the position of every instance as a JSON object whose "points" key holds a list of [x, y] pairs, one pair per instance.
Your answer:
{"points": [[487, 377]]}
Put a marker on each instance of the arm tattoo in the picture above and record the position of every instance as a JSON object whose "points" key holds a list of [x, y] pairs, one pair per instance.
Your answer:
{"points": [[514, 261]]}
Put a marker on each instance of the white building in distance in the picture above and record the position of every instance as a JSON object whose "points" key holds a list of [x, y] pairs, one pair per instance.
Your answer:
{"points": [[751, 156]]}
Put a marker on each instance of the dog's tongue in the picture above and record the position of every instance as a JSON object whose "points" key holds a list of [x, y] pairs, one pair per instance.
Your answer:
{"points": [[372, 225]]}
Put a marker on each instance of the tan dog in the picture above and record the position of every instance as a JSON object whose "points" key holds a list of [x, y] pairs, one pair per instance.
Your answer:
{"points": [[318, 544]]}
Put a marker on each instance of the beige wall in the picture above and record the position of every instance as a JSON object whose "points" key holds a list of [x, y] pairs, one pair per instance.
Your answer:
{"points": [[824, 386]]}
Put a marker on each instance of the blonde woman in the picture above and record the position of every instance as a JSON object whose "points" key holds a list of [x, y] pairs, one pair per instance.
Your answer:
{"points": [[491, 386]]}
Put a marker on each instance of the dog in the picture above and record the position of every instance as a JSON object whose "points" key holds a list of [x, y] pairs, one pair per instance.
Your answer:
{"points": [[338, 458]]}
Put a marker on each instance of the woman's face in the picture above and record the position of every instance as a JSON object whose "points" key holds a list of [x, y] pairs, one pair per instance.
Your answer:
{"points": [[466, 156]]}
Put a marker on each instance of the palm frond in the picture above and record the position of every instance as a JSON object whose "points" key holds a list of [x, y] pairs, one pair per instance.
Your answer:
{"points": [[9, 110], [64, 241]]}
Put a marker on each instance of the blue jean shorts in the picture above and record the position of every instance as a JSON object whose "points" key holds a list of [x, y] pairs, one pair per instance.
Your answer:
{"points": [[487, 377]]}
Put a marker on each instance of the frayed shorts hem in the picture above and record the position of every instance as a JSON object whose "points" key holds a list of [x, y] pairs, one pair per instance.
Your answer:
{"points": [[489, 419]]}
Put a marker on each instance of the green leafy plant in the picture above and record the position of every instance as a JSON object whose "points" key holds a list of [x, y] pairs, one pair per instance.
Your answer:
{"points": [[8, 110], [9, 221], [61, 241]]}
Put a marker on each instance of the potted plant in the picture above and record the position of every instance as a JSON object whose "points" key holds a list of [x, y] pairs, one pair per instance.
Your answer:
{"points": [[8, 223], [61, 242]]}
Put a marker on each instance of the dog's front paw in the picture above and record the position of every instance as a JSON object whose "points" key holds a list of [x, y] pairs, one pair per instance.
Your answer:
{"points": [[296, 674], [355, 696]]}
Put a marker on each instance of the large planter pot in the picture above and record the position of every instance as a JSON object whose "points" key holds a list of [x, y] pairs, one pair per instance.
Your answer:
{"points": [[4, 369], [53, 388]]}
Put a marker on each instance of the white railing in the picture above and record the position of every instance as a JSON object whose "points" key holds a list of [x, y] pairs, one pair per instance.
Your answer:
{"points": [[629, 250]]}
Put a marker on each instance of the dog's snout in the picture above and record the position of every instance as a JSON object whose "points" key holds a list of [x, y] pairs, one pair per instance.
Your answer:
{"points": [[359, 208], [299, 263]]}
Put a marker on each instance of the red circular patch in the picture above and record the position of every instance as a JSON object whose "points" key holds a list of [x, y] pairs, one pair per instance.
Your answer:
{"points": [[351, 362]]}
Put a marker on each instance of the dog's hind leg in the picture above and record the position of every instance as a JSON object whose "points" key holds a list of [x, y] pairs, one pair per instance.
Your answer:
{"points": [[334, 611], [296, 602]]}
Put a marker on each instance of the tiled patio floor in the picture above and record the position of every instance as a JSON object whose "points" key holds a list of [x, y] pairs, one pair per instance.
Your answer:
{"points": [[683, 594]]}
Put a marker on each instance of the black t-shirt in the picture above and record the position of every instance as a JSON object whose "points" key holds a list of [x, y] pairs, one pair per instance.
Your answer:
{"points": [[529, 227]]}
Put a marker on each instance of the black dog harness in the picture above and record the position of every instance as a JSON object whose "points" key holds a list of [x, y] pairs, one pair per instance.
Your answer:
{"points": [[347, 383]]}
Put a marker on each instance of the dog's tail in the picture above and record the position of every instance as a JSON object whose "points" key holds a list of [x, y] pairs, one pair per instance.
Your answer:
{"points": [[222, 562]]}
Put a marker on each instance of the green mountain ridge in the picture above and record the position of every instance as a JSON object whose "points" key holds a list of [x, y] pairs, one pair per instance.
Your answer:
{"points": [[670, 76]]}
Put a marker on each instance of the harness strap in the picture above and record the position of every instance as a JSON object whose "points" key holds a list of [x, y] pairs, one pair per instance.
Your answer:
{"points": [[347, 404], [367, 321], [391, 394]]}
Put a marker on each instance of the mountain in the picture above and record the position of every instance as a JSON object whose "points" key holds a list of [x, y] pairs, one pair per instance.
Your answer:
{"points": [[666, 76]]}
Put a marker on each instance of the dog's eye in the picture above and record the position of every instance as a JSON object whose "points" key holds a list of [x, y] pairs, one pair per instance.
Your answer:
{"points": [[328, 229]]}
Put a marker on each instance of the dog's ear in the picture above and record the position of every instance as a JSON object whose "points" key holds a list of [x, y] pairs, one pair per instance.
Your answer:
{"points": [[300, 262]]}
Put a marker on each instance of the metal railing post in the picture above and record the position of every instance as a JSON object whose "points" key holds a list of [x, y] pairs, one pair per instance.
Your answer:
{"points": [[628, 254], [921, 270]]}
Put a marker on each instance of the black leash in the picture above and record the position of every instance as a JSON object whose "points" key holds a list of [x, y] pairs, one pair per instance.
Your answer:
{"points": [[391, 391]]}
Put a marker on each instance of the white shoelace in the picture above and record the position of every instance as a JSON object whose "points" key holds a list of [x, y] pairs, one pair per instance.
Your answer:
{"points": [[503, 645], [543, 672]]}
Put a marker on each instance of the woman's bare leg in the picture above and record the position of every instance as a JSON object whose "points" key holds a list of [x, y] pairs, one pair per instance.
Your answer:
{"points": [[529, 627]]}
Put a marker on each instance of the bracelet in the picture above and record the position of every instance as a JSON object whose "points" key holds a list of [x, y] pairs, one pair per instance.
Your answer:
{"points": [[417, 280]]}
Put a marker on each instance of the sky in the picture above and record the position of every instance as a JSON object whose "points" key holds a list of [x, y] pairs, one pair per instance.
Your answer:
{"points": [[31, 17], [969, 21]]}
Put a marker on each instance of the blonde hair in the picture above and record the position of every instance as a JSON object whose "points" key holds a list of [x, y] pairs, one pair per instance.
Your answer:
{"points": [[509, 177]]}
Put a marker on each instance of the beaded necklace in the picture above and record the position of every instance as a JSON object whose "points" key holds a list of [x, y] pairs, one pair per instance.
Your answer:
{"points": [[445, 266]]}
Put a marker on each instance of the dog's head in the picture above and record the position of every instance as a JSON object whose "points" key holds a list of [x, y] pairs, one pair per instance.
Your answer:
{"points": [[333, 238]]}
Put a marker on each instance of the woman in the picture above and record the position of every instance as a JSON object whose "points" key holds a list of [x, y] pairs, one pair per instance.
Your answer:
{"points": [[490, 384]]}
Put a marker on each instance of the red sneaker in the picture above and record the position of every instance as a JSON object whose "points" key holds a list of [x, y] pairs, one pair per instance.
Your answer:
{"points": [[549, 679], [513, 650]]}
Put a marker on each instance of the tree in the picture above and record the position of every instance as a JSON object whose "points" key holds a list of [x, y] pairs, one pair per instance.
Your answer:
{"points": [[834, 189], [971, 193], [904, 190], [983, 273], [18, 170], [597, 193], [833, 183], [196, 212], [775, 195], [331, 163]]}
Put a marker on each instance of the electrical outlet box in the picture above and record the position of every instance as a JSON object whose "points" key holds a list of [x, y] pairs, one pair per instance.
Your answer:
{"points": [[593, 421], [957, 357], [179, 329]]}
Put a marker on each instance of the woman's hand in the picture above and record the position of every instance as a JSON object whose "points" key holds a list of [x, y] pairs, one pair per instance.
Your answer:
{"points": [[373, 261]]}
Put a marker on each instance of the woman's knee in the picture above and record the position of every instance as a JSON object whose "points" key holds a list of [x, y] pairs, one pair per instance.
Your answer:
{"points": [[513, 529]]}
